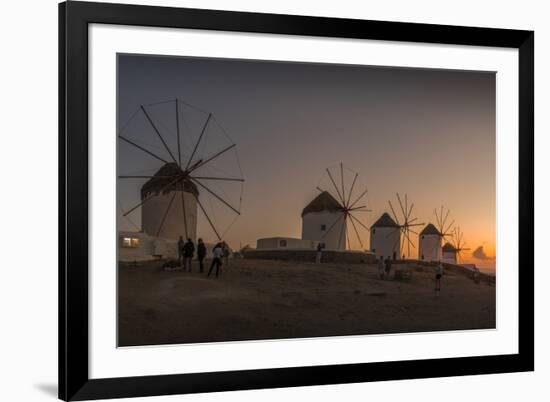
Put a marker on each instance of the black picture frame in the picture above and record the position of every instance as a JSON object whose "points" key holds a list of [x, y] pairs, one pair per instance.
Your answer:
{"points": [[74, 381]]}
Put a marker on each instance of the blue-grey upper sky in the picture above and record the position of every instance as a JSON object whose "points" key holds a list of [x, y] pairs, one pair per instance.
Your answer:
{"points": [[428, 133]]}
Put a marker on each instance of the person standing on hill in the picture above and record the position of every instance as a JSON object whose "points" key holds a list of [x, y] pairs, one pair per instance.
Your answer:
{"points": [[188, 251], [181, 245], [201, 254], [319, 253], [438, 275], [381, 267], [217, 254], [388, 267]]}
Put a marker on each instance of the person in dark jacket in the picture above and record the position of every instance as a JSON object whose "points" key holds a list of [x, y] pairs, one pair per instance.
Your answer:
{"points": [[188, 251], [181, 244], [201, 254], [388, 267]]}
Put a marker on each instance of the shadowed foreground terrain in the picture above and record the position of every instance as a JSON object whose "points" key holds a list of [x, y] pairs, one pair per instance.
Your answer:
{"points": [[259, 299]]}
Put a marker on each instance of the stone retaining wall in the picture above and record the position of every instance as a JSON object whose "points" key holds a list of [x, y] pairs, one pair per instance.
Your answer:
{"points": [[349, 257]]}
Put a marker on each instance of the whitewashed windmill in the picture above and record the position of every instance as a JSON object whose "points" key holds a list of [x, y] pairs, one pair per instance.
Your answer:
{"points": [[329, 216], [188, 155], [405, 224], [431, 237], [385, 238]]}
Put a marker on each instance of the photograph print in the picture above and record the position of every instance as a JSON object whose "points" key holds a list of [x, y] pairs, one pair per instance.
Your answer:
{"points": [[272, 200]]}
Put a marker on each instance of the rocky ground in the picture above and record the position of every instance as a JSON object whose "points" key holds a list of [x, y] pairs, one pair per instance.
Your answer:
{"points": [[259, 299]]}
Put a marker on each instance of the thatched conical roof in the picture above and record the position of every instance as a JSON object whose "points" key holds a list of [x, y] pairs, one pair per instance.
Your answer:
{"points": [[448, 247], [430, 229], [385, 221], [163, 177], [323, 202]]}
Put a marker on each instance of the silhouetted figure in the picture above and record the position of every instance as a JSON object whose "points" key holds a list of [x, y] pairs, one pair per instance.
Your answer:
{"points": [[225, 252], [188, 251], [381, 267], [181, 244], [388, 267], [438, 275], [319, 253], [201, 254], [217, 254]]}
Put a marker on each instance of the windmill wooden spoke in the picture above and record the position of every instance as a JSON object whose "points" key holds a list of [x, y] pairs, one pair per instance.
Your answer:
{"points": [[401, 206], [153, 195], [356, 232], [145, 177], [410, 212], [142, 149], [335, 186], [201, 162], [183, 211], [445, 219], [393, 212], [358, 198], [347, 238], [359, 222], [342, 232], [331, 226], [208, 218], [166, 213], [343, 186], [178, 131], [351, 188], [414, 231], [158, 133], [217, 178], [217, 196], [198, 141]]}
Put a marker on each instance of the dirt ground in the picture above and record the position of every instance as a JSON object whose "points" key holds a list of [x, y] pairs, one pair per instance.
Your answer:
{"points": [[259, 299]]}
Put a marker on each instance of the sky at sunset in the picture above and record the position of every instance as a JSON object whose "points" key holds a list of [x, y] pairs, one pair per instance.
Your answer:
{"points": [[427, 133]]}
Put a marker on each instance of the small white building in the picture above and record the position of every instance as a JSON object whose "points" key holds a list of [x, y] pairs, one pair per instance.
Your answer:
{"points": [[323, 221], [385, 238], [139, 246], [449, 253], [164, 210], [285, 243], [429, 244]]}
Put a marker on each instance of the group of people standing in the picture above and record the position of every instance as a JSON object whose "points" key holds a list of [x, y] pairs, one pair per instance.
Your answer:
{"points": [[186, 252]]}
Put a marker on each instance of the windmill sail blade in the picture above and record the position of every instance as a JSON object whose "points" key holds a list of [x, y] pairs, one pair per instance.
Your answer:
{"points": [[217, 178], [184, 214], [158, 133], [401, 206], [209, 159], [178, 132], [359, 222], [335, 186], [343, 185], [198, 141], [152, 196], [393, 212], [351, 188], [142, 149], [331, 226], [166, 214], [358, 198], [208, 218], [356, 232], [217, 196]]}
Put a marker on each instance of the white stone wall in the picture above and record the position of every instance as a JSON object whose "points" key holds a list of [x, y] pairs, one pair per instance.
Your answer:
{"points": [[385, 241], [429, 247], [312, 229], [285, 243], [449, 257], [152, 213]]}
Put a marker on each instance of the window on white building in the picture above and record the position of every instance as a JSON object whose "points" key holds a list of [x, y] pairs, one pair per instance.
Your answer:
{"points": [[130, 242]]}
